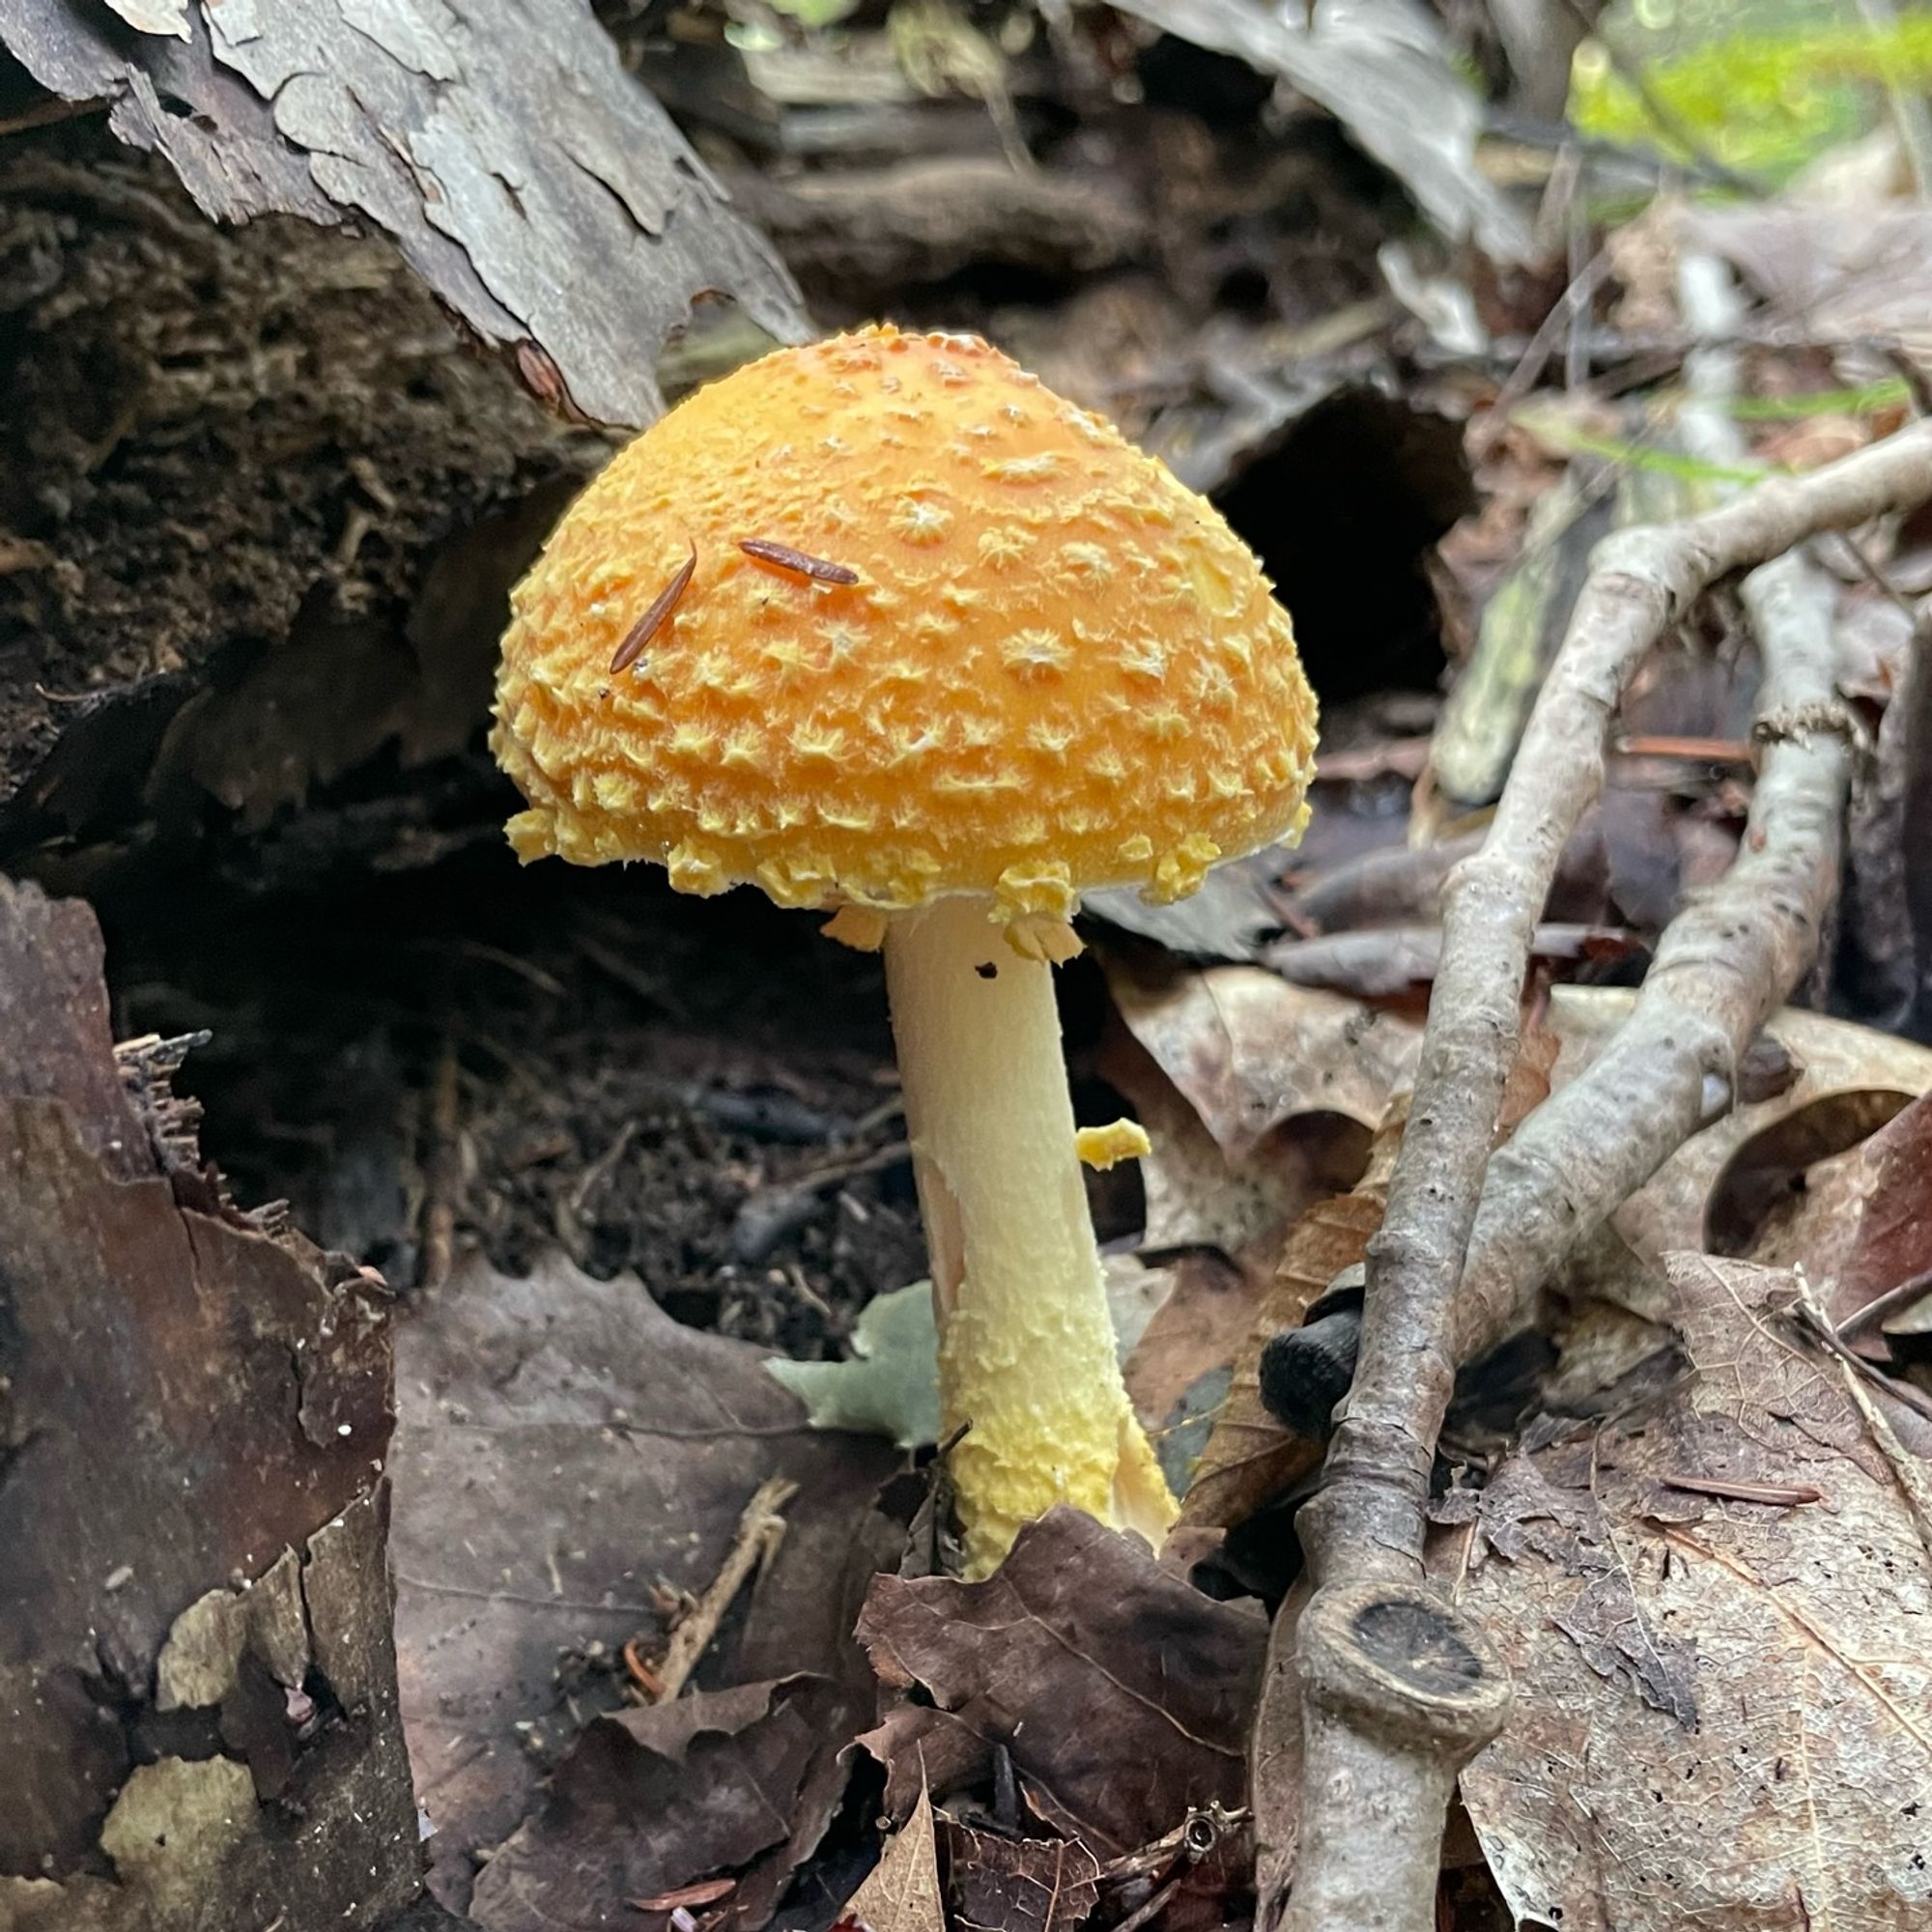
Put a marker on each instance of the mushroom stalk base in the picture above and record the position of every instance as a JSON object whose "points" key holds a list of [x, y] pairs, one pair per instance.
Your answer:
{"points": [[1027, 1356]]}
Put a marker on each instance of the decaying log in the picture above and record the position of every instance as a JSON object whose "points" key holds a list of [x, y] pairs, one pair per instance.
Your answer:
{"points": [[522, 174], [264, 515], [197, 1669]]}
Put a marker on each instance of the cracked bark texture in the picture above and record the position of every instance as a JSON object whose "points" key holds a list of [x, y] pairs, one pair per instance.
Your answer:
{"points": [[522, 174], [196, 1667]]}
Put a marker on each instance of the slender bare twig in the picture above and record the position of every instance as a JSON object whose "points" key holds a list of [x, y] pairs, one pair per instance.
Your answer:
{"points": [[1909, 1469], [760, 1531], [1722, 967], [1914, 1288], [1397, 1688], [1564, 322], [1643, 581]]}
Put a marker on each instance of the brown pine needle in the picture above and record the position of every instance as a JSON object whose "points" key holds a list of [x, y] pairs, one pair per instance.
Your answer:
{"points": [[652, 621], [805, 564]]}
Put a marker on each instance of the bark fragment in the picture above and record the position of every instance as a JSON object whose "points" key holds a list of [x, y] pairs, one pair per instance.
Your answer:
{"points": [[195, 1646], [504, 162]]}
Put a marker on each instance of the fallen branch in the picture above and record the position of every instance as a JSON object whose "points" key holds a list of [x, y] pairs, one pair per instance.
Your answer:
{"points": [[1723, 968], [1728, 961], [1396, 1689]]}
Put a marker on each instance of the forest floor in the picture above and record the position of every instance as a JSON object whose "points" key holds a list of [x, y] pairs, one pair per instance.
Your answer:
{"points": [[569, 1160]]}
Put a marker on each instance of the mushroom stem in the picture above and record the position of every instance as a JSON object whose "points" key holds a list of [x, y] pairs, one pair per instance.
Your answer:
{"points": [[1027, 1356]]}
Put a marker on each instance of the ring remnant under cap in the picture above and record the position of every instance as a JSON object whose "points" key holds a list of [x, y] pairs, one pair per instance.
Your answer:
{"points": [[1055, 666]]}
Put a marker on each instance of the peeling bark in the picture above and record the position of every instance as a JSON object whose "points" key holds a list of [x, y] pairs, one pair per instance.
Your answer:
{"points": [[522, 174], [195, 1658]]}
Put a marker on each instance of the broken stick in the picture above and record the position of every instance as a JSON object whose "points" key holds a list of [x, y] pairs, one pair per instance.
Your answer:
{"points": [[761, 1530]]}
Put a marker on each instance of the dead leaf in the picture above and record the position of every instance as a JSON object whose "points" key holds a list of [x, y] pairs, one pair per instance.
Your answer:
{"points": [[527, 177], [901, 1892], [1766, 1177], [1858, 1221], [563, 1445], [1224, 921], [1019, 1885], [648, 1801], [1249, 1053], [1178, 1372], [1893, 1240], [1251, 1456], [1220, 1067], [1195, 1197], [1398, 962], [1258, 1097], [1844, 280], [1667, 1212], [1121, 1694], [1718, 1711]]}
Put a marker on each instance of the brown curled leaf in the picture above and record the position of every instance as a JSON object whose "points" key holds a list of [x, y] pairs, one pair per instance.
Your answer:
{"points": [[652, 621], [786, 559]]}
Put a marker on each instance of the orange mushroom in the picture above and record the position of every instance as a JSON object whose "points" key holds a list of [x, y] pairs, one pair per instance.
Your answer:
{"points": [[902, 635]]}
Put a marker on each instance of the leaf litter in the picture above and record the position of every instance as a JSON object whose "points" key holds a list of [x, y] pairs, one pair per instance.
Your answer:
{"points": [[573, 1469], [1019, 1885], [566, 1456], [902, 1893], [1263, 1110], [741, 1782], [1858, 1219], [1713, 1692], [1119, 1693]]}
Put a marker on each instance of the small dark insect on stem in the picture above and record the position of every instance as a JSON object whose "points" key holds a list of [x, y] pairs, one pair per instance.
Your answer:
{"points": [[652, 621], [786, 559]]}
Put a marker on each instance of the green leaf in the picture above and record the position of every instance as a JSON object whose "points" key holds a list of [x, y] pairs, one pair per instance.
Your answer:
{"points": [[1553, 429], [1870, 401], [891, 1384], [814, 14], [1766, 100]]}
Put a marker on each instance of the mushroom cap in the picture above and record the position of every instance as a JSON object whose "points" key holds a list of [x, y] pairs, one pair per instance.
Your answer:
{"points": [[1058, 667]]}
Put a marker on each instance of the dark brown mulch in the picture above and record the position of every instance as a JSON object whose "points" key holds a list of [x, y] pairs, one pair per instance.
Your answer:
{"points": [[702, 1093]]}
